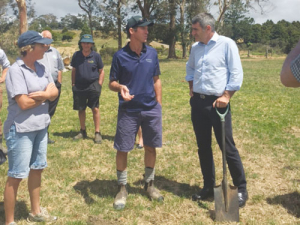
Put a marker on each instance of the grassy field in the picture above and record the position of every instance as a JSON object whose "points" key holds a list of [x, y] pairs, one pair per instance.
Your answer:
{"points": [[80, 183]]}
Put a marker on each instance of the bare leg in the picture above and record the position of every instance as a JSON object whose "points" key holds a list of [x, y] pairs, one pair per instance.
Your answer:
{"points": [[121, 160], [96, 117], [81, 114], [10, 195], [150, 156], [34, 188], [140, 136]]}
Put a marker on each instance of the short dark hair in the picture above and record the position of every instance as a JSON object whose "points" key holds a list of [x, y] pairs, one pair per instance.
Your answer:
{"points": [[204, 19], [128, 33]]}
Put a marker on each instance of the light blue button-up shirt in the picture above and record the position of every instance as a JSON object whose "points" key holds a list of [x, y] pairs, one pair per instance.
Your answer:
{"points": [[215, 67]]}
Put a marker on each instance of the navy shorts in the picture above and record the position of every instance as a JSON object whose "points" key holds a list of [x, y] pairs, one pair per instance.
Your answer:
{"points": [[128, 125], [86, 97]]}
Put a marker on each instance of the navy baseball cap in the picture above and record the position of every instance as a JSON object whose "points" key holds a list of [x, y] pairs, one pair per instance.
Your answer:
{"points": [[86, 38], [138, 21], [31, 37]]}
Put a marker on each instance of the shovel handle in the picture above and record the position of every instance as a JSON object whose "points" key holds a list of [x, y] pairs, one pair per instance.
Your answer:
{"points": [[222, 116], [224, 182]]}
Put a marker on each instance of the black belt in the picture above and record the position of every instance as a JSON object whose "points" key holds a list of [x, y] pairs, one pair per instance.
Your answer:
{"points": [[203, 96]]}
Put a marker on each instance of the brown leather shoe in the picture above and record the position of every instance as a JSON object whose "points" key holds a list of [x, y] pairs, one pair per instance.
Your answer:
{"points": [[120, 199], [153, 193]]}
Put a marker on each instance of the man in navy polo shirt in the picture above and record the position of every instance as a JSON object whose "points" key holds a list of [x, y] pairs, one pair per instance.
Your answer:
{"points": [[87, 80], [135, 76]]}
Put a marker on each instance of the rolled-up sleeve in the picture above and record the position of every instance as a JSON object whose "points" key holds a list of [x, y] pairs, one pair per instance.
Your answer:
{"points": [[190, 67], [4, 62], [235, 69]]}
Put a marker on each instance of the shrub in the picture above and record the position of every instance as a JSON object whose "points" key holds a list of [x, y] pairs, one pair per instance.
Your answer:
{"points": [[107, 53], [68, 36]]}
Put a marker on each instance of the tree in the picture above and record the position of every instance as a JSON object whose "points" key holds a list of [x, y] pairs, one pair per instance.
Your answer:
{"points": [[22, 16], [114, 12], [147, 7], [48, 20], [89, 6], [225, 4], [72, 21], [172, 29]]}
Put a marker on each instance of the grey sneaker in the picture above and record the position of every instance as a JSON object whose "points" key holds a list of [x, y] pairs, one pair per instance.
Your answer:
{"points": [[120, 199], [82, 134], [153, 192], [98, 138], [13, 223], [43, 216]]}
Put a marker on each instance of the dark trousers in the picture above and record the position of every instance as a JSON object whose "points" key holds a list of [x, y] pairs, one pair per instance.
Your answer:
{"points": [[204, 118], [53, 105]]}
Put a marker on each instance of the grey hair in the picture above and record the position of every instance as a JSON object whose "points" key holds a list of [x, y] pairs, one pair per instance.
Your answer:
{"points": [[204, 19]]}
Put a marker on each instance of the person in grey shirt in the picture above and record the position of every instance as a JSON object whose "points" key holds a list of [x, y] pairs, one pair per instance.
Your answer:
{"points": [[4, 62], [53, 61], [29, 87]]}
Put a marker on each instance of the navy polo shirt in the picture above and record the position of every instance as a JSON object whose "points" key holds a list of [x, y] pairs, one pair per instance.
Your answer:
{"points": [[87, 68], [136, 72]]}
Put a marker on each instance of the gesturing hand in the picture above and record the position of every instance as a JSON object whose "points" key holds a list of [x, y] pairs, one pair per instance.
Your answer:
{"points": [[125, 93]]}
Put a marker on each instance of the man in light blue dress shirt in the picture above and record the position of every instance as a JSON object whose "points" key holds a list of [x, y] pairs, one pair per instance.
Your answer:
{"points": [[214, 72]]}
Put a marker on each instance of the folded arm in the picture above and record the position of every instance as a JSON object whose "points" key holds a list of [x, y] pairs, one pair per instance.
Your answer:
{"points": [[50, 93]]}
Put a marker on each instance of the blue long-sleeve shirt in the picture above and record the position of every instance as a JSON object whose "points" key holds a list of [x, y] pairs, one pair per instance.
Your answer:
{"points": [[215, 67]]}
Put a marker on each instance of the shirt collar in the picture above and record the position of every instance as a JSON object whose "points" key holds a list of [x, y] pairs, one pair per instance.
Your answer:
{"points": [[21, 63], [49, 49], [128, 49], [90, 55], [214, 38]]}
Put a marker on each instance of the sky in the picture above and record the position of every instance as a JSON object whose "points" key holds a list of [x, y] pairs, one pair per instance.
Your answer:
{"points": [[275, 11]]}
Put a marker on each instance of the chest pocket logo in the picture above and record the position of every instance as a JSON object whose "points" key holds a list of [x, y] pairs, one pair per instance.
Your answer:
{"points": [[90, 61], [149, 60]]}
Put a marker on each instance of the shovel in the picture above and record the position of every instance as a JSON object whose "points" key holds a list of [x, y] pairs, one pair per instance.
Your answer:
{"points": [[226, 196]]}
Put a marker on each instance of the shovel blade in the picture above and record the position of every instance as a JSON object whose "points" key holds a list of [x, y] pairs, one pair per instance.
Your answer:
{"points": [[232, 211]]}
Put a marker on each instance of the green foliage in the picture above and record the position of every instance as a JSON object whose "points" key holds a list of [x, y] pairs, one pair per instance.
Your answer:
{"points": [[85, 30], [64, 30], [56, 35], [68, 36], [107, 53]]}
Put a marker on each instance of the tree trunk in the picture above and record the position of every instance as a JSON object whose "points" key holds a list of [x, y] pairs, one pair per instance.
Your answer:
{"points": [[172, 39], [23, 16], [119, 25], [183, 39], [145, 9], [90, 24]]}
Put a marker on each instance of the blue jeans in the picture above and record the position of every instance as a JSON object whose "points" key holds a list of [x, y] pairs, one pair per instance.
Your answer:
{"points": [[25, 151]]}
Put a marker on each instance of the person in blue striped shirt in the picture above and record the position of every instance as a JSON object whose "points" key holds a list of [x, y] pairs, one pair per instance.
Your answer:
{"points": [[214, 73], [290, 73]]}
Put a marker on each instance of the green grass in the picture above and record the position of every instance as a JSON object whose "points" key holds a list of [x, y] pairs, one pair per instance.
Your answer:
{"points": [[80, 183]]}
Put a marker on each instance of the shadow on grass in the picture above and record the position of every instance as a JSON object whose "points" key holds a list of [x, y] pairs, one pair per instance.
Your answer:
{"points": [[21, 211], [109, 188], [179, 189], [72, 134], [289, 201], [101, 188]]}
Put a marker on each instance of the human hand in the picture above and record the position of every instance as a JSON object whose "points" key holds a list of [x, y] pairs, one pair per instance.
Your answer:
{"points": [[221, 102], [191, 92], [2, 80], [125, 93], [38, 95]]}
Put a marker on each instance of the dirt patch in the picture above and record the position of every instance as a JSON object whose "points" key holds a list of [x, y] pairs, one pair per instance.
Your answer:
{"points": [[66, 51]]}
